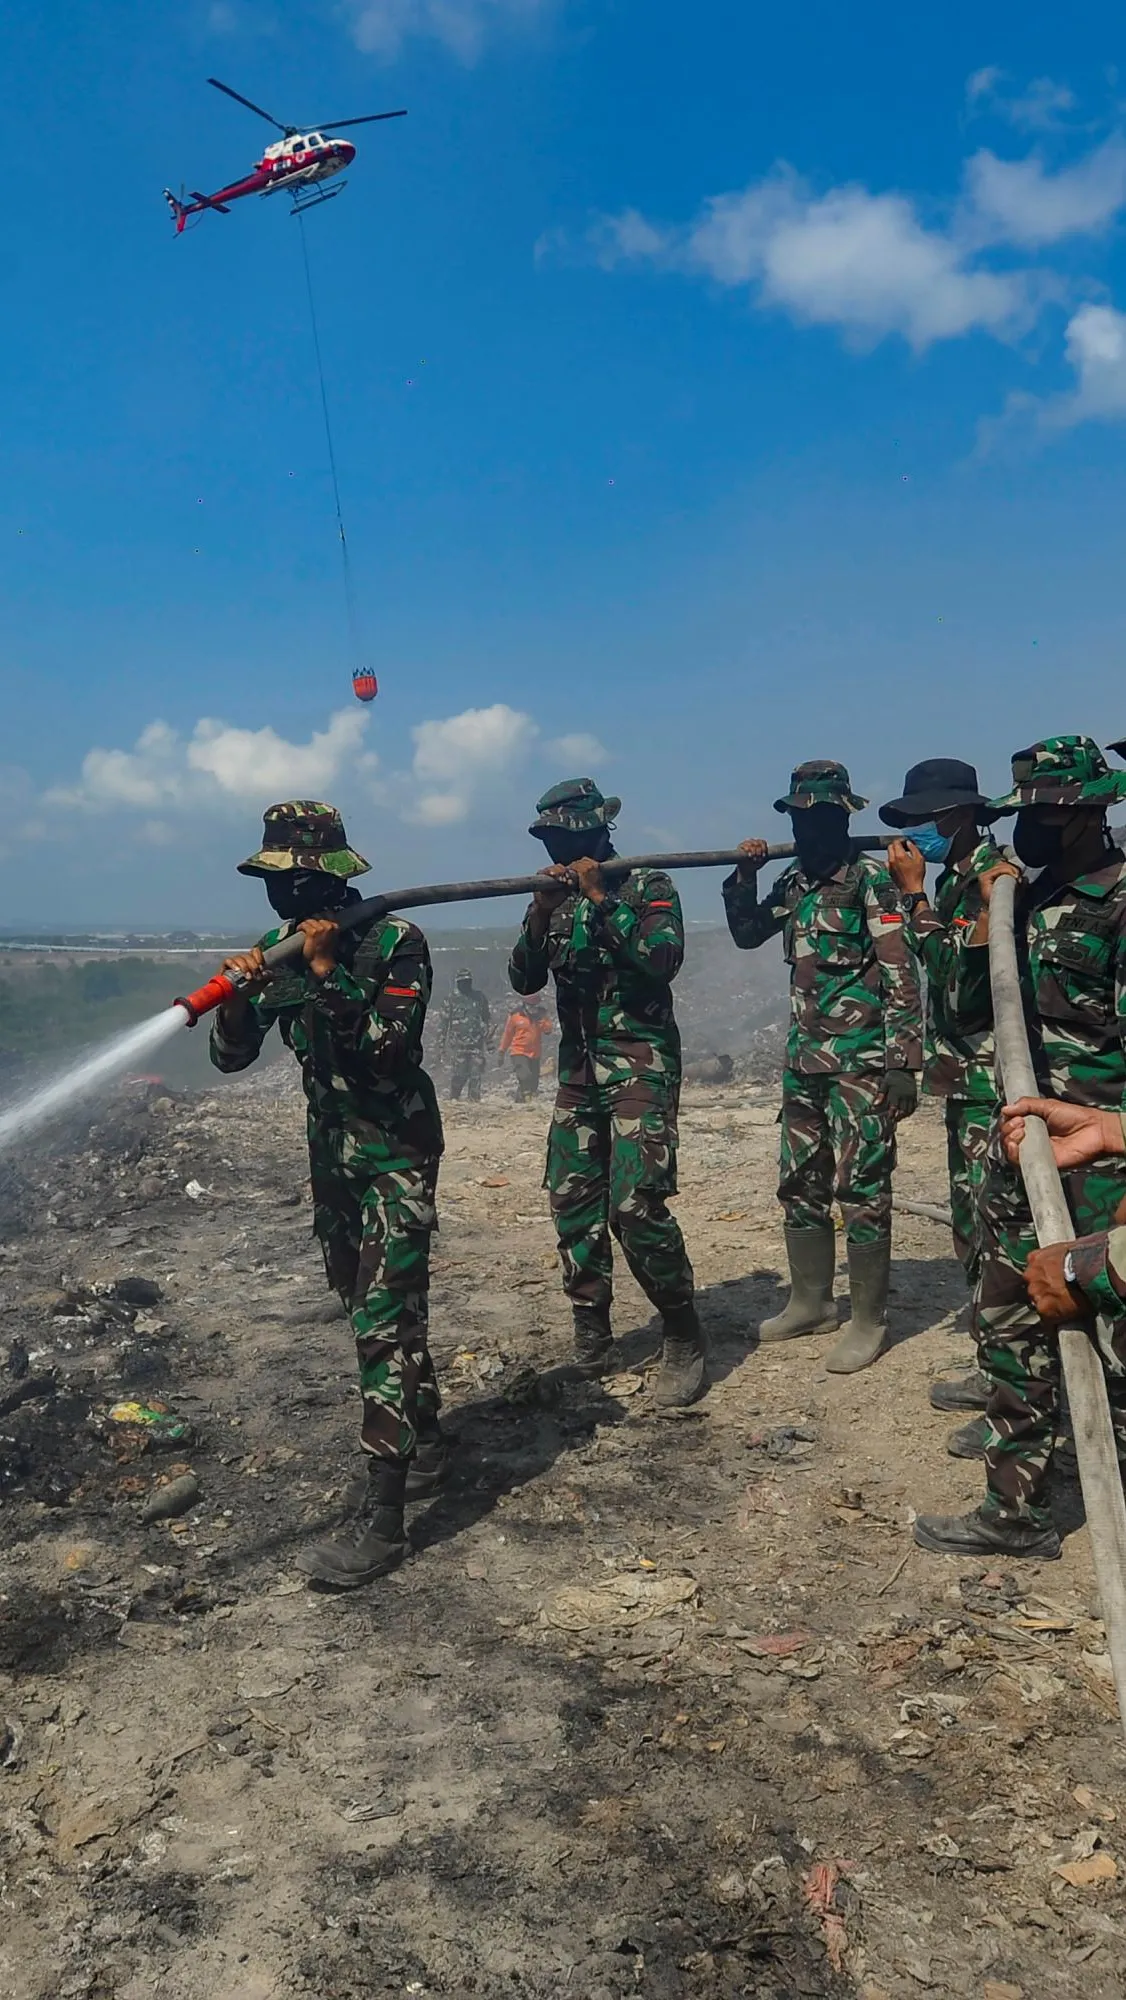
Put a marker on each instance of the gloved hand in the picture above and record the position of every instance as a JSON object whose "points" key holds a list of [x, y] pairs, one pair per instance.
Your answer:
{"points": [[901, 1093]]}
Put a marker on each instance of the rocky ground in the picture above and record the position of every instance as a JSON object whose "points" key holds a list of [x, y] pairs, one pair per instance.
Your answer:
{"points": [[667, 1706]]}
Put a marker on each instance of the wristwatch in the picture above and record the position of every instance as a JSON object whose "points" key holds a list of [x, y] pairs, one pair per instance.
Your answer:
{"points": [[917, 896], [1069, 1276]]}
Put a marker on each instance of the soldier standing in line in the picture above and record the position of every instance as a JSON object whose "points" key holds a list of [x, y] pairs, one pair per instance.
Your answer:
{"points": [[854, 1047], [611, 1153], [948, 816], [1071, 939], [465, 1036], [352, 1012]]}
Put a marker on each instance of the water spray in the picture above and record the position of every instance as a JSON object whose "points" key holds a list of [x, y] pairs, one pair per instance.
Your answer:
{"points": [[91, 1071]]}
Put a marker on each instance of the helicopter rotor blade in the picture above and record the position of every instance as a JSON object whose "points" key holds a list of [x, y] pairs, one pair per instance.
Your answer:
{"points": [[338, 124], [240, 99]]}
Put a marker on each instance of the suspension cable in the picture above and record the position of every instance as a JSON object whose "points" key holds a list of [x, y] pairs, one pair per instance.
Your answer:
{"points": [[349, 591]]}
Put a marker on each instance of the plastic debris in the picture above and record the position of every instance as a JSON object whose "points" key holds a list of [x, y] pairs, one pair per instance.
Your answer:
{"points": [[172, 1498], [155, 1421]]}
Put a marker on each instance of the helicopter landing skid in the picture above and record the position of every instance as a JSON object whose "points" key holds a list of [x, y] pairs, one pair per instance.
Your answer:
{"points": [[313, 198]]}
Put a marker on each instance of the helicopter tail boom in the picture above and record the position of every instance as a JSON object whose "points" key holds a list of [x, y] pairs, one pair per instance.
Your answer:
{"points": [[181, 210]]}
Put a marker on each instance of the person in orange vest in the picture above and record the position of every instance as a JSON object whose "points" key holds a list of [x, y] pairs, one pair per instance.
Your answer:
{"points": [[525, 1030]]}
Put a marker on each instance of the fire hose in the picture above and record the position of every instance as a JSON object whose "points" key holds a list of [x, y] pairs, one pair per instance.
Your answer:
{"points": [[1099, 1473], [225, 985]]}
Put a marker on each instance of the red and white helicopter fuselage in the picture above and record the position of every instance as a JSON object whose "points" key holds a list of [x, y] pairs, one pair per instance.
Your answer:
{"points": [[297, 161]]}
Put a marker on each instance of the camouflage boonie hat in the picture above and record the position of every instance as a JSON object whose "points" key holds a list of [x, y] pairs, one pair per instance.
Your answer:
{"points": [[302, 833], [821, 782], [576, 805], [1062, 771]]}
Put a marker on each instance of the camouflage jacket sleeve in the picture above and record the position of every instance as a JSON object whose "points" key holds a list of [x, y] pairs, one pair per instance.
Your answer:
{"points": [[528, 965], [899, 971], [1100, 1271], [644, 931], [750, 922], [235, 1049], [380, 1016], [930, 939]]}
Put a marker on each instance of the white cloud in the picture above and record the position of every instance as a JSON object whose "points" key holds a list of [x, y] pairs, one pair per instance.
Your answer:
{"points": [[1020, 202], [455, 757], [983, 83], [380, 27], [860, 261], [582, 752], [1042, 106], [217, 761], [1096, 349]]}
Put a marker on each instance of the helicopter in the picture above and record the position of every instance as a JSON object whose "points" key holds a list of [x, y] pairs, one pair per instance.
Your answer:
{"points": [[303, 158]]}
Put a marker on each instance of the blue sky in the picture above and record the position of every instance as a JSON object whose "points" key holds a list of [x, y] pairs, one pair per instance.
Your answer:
{"points": [[713, 388]]}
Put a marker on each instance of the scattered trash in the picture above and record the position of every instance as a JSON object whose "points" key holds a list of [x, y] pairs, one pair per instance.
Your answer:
{"points": [[1085, 1797], [623, 1385], [819, 1887], [194, 1191], [494, 1181], [620, 1601], [172, 1498], [356, 1811], [776, 1645], [135, 1291], [783, 1441], [154, 1422], [9, 1746], [1096, 1868]]}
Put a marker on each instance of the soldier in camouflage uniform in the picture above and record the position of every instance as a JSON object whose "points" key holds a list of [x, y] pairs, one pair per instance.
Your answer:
{"points": [[352, 1012], [1070, 1281], [948, 815], [611, 1156], [1071, 939], [854, 1046], [465, 1036]]}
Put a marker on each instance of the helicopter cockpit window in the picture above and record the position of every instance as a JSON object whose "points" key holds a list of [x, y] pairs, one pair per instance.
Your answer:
{"points": [[314, 139]]}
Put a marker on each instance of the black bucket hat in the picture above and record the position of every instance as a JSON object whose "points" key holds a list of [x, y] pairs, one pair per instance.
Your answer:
{"points": [[933, 787]]}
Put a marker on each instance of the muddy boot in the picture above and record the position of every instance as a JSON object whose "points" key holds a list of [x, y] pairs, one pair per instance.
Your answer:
{"points": [[812, 1256], [683, 1373], [869, 1270], [430, 1466], [964, 1392], [982, 1534], [594, 1340], [373, 1541], [969, 1440]]}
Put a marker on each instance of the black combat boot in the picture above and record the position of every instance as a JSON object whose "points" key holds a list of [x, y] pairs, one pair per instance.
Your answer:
{"points": [[683, 1373], [594, 1339], [969, 1440], [373, 1541], [986, 1534], [430, 1466], [964, 1392]]}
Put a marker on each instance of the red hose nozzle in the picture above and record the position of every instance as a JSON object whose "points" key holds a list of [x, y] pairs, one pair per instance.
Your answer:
{"points": [[206, 998]]}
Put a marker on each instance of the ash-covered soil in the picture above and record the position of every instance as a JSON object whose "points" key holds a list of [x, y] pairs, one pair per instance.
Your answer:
{"points": [[660, 1706]]}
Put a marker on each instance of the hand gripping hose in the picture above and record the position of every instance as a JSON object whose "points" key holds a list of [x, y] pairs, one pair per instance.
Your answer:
{"points": [[225, 984], [1099, 1472]]}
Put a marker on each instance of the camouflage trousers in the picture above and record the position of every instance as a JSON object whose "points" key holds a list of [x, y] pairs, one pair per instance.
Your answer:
{"points": [[467, 1069], [837, 1140], [1019, 1352], [611, 1162], [374, 1222], [967, 1139]]}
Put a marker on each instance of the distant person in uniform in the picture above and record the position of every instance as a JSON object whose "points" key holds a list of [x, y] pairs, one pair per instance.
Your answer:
{"points": [[525, 1031], [465, 1036]]}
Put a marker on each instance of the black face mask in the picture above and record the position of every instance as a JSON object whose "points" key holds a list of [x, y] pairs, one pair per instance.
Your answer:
{"points": [[565, 847], [1038, 843], [298, 893], [821, 838]]}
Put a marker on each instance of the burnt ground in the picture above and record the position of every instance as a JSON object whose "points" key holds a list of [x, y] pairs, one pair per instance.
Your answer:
{"points": [[666, 1706]]}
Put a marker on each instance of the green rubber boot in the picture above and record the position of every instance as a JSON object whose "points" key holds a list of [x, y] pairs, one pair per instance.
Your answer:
{"points": [[812, 1255], [869, 1273]]}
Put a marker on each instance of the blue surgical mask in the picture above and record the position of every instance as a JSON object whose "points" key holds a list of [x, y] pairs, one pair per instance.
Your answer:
{"points": [[932, 845]]}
